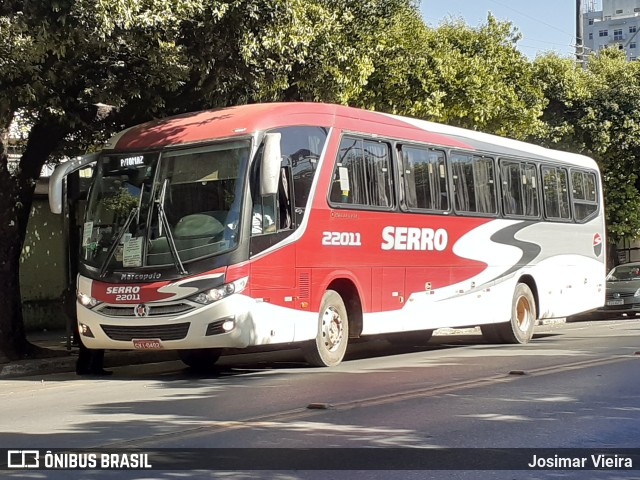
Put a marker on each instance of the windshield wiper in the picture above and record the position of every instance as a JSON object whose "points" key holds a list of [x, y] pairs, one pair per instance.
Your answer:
{"points": [[172, 244], [116, 242]]}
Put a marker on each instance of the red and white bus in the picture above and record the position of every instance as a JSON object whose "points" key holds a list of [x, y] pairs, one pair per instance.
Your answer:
{"points": [[311, 223]]}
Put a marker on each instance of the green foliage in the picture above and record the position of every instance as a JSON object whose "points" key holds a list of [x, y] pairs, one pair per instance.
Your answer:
{"points": [[593, 110], [622, 201], [121, 203], [455, 74], [486, 82]]}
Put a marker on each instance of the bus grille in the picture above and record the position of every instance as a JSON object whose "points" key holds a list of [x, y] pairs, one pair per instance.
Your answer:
{"points": [[162, 332], [154, 310], [610, 295], [304, 284]]}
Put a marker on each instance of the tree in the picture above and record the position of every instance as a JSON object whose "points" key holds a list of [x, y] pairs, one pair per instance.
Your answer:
{"points": [[60, 59], [593, 110], [469, 77]]}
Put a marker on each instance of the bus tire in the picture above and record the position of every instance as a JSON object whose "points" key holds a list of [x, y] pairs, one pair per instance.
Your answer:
{"points": [[410, 339], [491, 333], [330, 344], [200, 359], [523, 318]]}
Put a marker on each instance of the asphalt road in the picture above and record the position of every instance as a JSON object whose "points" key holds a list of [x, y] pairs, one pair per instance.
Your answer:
{"points": [[575, 386]]}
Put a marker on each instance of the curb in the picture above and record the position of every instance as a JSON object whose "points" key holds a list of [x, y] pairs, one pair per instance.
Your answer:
{"points": [[67, 364], [38, 366]]}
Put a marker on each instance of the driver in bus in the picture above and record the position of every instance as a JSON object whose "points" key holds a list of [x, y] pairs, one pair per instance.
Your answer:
{"points": [[262, 221]]}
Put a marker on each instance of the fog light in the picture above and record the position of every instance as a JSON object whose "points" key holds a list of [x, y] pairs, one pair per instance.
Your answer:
{"points": [[85, 330], [228, 325]]}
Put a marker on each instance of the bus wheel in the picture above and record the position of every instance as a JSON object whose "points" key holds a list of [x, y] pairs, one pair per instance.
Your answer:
{"points": [[523, 319], [330, 345], [491, 334], [410, 339], [201, 359]]}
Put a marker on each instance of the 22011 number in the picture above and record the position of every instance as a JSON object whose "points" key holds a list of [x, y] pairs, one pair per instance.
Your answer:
{"points": [[345, 239], [127, 297]]}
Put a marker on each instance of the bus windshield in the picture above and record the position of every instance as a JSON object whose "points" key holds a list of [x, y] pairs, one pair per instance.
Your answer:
{"points": [[164, 209]]}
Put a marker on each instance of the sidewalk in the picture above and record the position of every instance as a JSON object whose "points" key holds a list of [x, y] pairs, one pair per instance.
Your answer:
{"points": [[66, 361]]}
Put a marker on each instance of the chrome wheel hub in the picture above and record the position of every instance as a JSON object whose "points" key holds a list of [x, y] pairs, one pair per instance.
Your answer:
{"points": [[332, 329]]}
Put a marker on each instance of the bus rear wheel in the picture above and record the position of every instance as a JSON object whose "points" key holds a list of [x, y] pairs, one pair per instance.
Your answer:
{"points": [[330, 344], [201, 359], [523, 319]]}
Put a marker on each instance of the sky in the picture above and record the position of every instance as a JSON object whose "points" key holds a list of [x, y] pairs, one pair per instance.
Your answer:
{"points": [[545, 25]]}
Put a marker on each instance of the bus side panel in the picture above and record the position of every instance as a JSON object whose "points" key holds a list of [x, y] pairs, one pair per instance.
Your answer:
{"points": [[272, 276], [444, 308], [570, 269]]}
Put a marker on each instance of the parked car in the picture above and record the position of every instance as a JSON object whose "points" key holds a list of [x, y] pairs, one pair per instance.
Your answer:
{"points": [[622, 294]]}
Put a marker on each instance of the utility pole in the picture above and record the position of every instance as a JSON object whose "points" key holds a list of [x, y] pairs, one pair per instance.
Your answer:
{"points": [[579, 33]]}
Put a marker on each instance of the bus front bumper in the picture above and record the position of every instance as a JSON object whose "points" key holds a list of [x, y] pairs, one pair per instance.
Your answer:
{"points": [[237, 321]]}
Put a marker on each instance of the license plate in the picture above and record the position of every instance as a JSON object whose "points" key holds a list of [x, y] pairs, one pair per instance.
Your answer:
{"points": [[147, 344], [619, 301]]}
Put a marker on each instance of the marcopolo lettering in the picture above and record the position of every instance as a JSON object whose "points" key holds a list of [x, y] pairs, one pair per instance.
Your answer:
{"points": [[414, 238], [140, 276]]}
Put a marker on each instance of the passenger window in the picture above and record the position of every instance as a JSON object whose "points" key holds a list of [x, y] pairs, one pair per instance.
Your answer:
{"points": [[556, 193], [425, 180], [519, 188], [583, 188], [473, 183], [362, 175]]}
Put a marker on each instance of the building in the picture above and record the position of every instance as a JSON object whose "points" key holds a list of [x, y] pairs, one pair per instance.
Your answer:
{"points": [[616, 25]]}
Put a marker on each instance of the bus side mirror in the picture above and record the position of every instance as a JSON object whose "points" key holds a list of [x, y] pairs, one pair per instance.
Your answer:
{"points": [[270, 164], [56, 181]]}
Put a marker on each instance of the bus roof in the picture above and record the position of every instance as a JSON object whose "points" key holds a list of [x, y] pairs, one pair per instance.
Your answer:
{"points": [[501, 145], [242, 120]]}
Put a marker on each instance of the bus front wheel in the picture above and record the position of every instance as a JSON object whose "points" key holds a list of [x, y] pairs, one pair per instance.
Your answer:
{"points": [[523, 319], [330, 344], [201, 359]]}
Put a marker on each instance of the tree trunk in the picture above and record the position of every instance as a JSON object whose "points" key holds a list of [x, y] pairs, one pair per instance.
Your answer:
{"points": [[613, 260], [16, 196], [14, 216]]}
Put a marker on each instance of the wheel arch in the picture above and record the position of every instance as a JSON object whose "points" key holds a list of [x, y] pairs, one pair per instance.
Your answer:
{"points": [[350, 294], [531, 283]]}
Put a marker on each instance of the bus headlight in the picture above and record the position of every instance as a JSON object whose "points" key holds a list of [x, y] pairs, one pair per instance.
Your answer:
{"points": [[87, 300], [215, 294], [637, 294]]}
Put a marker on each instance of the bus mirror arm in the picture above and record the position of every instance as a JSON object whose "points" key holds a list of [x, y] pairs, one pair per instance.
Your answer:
{"points": [[270, 164], [56, 181]]}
